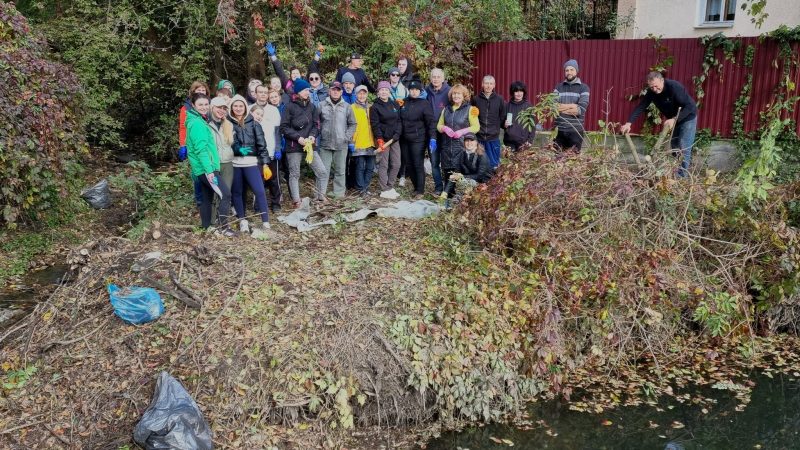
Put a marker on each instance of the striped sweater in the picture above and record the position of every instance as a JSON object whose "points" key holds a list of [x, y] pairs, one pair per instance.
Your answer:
{"points": [[572, 92]]}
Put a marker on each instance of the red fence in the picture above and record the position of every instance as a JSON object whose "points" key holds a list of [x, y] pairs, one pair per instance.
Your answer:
{"points": [[616, 69]]}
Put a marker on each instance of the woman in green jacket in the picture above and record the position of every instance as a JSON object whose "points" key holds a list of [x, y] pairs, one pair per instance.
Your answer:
{"points": [[204, 161]]}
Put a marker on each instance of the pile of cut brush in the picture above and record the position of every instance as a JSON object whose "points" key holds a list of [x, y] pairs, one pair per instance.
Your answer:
{"points": [[280, 342], [613, 260]]}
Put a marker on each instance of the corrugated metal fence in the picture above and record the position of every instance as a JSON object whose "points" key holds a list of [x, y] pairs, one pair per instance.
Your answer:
{"points": [[616, 69]]}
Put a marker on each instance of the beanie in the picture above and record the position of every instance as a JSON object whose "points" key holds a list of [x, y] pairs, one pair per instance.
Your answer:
{"points": [[225, 84], [348, 78], [384, 85], [572, 63], [300, 85]]}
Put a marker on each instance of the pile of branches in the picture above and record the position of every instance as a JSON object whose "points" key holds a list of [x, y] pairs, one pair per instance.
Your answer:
{"points": [[263, 343], [613, 261]]}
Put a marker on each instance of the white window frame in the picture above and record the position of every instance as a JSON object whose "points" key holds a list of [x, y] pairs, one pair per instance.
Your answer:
{"points": [[701, 16]]}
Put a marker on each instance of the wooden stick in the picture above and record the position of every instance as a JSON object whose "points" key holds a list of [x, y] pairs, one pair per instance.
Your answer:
{"points": [[633, 149], [664, 132], [167, 290], [386, 145], [184, 289]]}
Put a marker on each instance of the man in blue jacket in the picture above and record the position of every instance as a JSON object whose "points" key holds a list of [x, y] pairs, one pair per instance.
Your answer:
{"points": [[437, 93], [671, 98]]}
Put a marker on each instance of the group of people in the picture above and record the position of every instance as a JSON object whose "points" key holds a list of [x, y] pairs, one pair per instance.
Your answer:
{"points": [[246, 144]]}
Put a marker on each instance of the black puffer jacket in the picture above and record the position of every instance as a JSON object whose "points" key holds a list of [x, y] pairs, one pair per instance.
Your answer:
{"points": [[250, 135], [384, 118], [476, 167], [517, 134], [453, 149], [418, 122], [300, 119]]}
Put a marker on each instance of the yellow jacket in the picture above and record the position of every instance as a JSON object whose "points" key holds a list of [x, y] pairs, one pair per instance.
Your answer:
{"points": [[364, 142]]}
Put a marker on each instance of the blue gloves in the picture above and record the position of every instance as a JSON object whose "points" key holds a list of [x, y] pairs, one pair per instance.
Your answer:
{"points": [[278, 155], [182, 153], [269, 48], [351, 148], [432, 145], [245, 150]]}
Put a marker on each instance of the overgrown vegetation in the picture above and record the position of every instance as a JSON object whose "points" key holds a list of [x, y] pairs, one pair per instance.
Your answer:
{"points": [[42, 133]]}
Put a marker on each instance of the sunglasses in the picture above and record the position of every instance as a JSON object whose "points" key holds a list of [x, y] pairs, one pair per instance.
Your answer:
{"points": [[394, 74], [313, 78]]}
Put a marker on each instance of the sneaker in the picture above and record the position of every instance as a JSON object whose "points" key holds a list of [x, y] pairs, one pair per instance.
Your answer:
{"points": [[437, 193], [244, 226], [266, 226], [225, 232], [276, 208], [402, 182], [391, 194]]}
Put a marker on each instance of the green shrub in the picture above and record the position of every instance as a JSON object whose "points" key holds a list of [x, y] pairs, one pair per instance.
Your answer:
{"points": [[41, 133]]}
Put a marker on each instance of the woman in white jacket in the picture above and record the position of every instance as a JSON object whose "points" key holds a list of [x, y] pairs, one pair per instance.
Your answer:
{"points": [[270, 119]]}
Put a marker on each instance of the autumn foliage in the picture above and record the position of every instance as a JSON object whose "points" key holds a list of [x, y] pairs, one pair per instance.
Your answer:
{"points": [[41, 132]]}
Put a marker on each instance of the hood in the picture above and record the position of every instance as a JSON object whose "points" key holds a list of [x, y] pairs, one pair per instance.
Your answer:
{"points": [[238, 98], [409, 69]]}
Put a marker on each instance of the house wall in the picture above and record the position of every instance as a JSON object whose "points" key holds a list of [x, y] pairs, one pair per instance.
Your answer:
{"points": [[679, 19]]}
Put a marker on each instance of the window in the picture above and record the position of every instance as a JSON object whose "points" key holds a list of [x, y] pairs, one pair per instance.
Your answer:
{"points": [[717, 11]]}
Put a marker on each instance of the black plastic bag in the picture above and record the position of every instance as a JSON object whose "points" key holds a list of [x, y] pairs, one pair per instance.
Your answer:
{"points": [[98, 196], [173, 420]]}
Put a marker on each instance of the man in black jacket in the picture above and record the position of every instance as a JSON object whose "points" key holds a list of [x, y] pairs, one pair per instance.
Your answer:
{"points": [[491, 115], [354, 68], [671, 98]]}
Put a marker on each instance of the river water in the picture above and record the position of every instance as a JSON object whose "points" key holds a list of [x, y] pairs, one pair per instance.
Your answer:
{"points": [[770, 421]]}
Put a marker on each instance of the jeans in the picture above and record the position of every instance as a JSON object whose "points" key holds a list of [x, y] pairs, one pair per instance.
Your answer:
{"points": [[436, 169], [273, 185], [320, 173], [389, 166], [683, 139], [198, 192], [492, 152], [365, 168], [226, 175], [414, 159], [337, 159], [207, 194], [252, 176]]}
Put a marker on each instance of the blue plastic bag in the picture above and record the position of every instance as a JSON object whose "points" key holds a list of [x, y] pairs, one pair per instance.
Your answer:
{"points": [[136, 305]]}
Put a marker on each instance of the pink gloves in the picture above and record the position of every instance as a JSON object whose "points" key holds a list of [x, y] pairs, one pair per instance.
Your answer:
{"points": [[460, 133], [448, 131]]}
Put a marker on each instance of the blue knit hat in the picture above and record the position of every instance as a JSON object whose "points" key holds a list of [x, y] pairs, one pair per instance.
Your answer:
{"points": [[572, 63], [300, 84]]}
